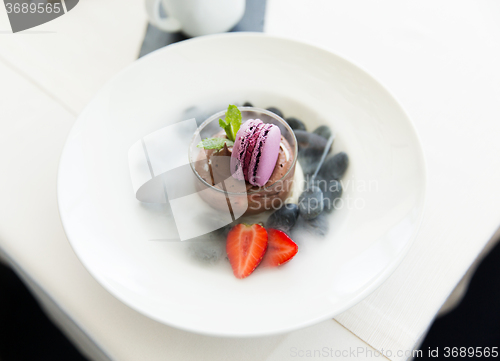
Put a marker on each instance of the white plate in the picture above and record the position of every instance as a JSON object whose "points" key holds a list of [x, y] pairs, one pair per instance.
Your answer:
{"points": [[111, 231]]}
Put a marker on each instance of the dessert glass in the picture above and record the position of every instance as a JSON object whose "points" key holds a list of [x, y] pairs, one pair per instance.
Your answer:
{"points": [[248, 200]]}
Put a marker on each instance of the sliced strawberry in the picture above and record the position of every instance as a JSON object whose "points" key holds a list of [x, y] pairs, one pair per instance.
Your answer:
{"points": [[280, 249], [245, 247]]}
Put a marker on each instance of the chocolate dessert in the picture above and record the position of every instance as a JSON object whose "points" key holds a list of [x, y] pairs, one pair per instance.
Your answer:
{"points": [[213, 167]]}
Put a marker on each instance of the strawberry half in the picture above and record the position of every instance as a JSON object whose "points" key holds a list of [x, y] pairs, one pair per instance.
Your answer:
{"points": [[280, 249], [245, 247]]}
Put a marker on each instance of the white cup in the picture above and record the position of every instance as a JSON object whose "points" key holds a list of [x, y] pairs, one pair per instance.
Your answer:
{"points": [[196, 17]]}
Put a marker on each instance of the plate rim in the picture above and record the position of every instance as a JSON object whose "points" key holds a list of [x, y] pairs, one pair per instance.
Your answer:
{"points": [[368, 289]]}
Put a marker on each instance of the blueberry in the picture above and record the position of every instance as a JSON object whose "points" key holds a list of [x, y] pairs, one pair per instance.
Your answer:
{"points": [[207, 251], [295, 124], [209, 248], [318, 226], [309, 140], [332, 190], [276, 111], [323, 131], [311, 202], [311, 147], [222, 232], [247, 104], [334, 167], [284, 218], [309, 159]]}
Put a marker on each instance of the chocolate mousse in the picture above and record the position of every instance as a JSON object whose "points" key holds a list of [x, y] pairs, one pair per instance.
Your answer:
{"points": [[213, 167]]}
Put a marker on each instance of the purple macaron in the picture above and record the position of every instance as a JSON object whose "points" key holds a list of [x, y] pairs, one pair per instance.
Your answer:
{"points": [[255, 152]]}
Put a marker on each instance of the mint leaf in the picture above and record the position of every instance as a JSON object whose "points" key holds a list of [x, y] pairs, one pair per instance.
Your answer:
{"points": [[214, 143], [222, 124], [232, 123]]}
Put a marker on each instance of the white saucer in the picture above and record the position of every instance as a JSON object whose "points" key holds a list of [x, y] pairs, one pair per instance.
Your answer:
{"points": [[111, 231]]}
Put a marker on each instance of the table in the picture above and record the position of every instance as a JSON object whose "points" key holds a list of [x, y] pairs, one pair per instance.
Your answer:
{"points": [[438, 59]]}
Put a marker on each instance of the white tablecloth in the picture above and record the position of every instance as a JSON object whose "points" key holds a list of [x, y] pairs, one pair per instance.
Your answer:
{"points": [[439, 59]]}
